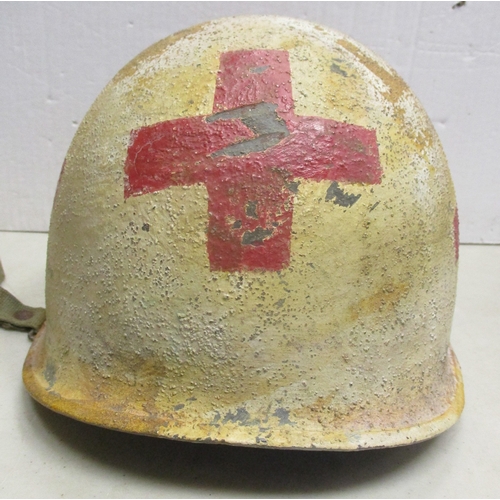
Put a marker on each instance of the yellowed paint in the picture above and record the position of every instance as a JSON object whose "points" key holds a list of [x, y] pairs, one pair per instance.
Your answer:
{"points": [[394, 84], [346, 348]]}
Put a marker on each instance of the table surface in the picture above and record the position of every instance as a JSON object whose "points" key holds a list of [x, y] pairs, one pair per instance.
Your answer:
{"points": [[43, 454]]}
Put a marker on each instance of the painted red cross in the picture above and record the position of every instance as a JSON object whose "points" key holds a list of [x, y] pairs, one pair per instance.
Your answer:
{"points": [[248, 154]]}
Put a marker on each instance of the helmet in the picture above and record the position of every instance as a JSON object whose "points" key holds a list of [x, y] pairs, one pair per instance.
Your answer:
{"points": [[253, 242]]}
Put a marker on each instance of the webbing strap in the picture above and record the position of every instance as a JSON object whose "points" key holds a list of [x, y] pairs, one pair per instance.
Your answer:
{"points": [[16, 316]]}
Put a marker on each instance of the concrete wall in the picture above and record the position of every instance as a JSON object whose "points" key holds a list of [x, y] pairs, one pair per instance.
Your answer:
{"points": [[56, 57]]}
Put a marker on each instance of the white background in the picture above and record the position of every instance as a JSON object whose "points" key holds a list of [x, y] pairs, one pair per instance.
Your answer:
{"points": [[55, 58]]}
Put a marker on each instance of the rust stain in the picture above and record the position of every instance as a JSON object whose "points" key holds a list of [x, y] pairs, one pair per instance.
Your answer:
{"points": [[421, 138], [396, 86], [409, 408], [382, 301]]}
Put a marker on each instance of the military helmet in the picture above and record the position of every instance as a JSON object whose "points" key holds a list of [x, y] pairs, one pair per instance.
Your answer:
{"points": [[254, 242]]}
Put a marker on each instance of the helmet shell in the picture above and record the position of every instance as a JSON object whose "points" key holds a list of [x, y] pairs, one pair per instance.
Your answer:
{"points": [[254, 242]]}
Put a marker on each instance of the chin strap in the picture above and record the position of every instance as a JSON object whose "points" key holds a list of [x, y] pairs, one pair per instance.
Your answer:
{"points": [[16, 316]]}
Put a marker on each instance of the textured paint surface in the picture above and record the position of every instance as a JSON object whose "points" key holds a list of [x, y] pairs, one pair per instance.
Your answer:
{"points": [[249, 199], [346, 347]]}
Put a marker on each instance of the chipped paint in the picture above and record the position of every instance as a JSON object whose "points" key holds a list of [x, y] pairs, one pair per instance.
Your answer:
{"points": [[394, 85], [262, 119], [252, 146], [158, 324], [335, 68], [340, 197], [284, 416]]}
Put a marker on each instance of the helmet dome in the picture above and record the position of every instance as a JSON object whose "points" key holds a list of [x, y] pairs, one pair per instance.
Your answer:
{"points": [[253, 242]]}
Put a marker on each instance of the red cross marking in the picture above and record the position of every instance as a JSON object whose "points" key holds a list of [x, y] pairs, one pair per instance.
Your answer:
{"points": [[248, 154]]}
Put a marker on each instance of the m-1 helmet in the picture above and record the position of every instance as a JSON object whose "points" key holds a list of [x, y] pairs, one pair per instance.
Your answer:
{"points": [[254, 242]]}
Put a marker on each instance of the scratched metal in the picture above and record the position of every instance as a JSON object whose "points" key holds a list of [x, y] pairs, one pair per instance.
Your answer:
{"points": [[254, 242]]}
